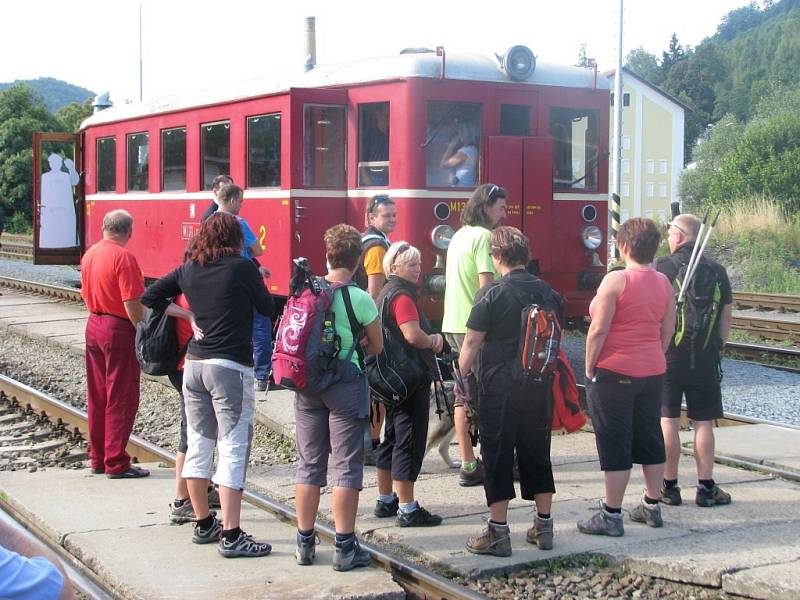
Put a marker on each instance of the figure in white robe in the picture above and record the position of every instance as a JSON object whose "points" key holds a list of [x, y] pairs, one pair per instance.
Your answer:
{"points": [[58, 225]]}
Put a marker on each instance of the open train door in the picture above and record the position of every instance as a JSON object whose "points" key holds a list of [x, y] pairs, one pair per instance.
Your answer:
{"points": [[58, 204]]}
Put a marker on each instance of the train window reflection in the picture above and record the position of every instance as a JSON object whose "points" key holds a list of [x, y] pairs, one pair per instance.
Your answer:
{"points": [[173, 159], [515, 119], [575, 152], [324, 139], [452, 144], [264, 151], [106, 164], [373, 144], [137, 161], [216, 147]]}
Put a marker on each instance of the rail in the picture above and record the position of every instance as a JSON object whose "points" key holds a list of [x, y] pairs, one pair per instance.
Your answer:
{"points": [[781, 302], [413, 578]]}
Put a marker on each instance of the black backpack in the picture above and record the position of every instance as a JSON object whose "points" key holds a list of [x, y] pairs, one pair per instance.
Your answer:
{"points": [[157, 344], [369, 239], [698, 312]]}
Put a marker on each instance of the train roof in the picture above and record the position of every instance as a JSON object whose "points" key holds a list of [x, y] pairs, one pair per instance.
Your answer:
{"points": [[464, 67]]}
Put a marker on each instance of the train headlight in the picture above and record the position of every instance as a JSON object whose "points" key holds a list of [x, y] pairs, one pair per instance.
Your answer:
{"points": [[592, 237], [519, 62], [441, 236]]}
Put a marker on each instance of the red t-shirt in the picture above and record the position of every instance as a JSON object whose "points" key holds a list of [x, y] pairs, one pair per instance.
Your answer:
{"points": [[110, 276], [403, 309], [184, 329]]}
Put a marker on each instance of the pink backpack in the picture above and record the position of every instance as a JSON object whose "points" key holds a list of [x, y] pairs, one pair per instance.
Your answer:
{"points": [[307, 345]]}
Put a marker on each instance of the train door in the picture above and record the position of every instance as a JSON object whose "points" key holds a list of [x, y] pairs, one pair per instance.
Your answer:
{"points": [[523, 165], [58, 204], [319, 169]]}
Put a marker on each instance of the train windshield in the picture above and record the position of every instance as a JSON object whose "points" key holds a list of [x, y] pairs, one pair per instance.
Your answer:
{"points": [[324, 146], [452, 144], [373, 144], [575, 152]]}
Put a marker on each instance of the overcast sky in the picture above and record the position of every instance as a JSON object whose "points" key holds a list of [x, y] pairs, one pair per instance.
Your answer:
{"points": [[190, 45]]}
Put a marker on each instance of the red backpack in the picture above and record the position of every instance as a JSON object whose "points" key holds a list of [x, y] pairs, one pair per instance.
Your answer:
{"points": [[306, 357]]}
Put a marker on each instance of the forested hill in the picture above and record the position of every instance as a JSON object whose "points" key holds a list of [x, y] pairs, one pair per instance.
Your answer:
{"points": [[754, 50], [56, 93]]}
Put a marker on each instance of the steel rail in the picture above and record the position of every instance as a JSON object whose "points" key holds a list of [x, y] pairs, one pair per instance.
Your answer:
{"points": [[80, 576], [787, 302], [44, 289], [410, 576]]}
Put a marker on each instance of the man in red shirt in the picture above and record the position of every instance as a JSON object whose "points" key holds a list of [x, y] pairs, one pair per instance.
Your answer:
{"points": [[111, 285]]}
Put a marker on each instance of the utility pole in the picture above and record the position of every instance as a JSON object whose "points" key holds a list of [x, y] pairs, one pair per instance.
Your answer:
{"points": [[140, 51], [617, 146]]}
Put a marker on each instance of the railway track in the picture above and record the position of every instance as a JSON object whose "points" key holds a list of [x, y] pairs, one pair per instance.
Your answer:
{"points": [[16, 251], [417, 581]]}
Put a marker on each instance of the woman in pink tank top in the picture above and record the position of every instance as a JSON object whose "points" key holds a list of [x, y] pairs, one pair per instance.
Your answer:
{"points": [[633, 320]]}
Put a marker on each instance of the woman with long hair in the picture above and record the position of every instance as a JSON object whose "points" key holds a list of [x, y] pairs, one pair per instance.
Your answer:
{"points": [[223, 288]]}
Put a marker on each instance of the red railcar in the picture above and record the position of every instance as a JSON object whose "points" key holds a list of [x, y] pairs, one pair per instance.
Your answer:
{"points": [[310, 151]]}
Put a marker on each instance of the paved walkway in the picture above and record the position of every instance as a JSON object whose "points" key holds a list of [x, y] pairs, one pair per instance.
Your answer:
{"points": [[748, 548]]}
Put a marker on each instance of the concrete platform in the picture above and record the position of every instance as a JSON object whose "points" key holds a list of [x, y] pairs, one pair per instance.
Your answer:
{"points": [[44, 318], [771, 446], [119, 529]]}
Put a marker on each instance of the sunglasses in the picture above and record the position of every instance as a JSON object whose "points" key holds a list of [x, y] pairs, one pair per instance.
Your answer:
{"points": [[376, 201], [678, 227], [492, 191], [400, 250]]}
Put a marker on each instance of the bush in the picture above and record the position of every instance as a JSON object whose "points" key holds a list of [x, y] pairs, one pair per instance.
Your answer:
{"points": [[19, 223]]}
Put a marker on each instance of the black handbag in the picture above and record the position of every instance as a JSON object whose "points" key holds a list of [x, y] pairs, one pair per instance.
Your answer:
{"points": [[395, 373]]}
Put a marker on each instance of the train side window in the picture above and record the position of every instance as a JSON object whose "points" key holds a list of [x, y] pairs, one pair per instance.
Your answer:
{"points": [[324, 144], [515, 119], [373, 144], [575, 151], [173, 159], [216, 148], [106, 164], [452, 144], [137, 161], [264, 151]]}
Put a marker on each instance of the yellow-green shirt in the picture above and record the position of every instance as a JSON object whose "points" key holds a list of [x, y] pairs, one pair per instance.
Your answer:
{"points": [[467, 256]]}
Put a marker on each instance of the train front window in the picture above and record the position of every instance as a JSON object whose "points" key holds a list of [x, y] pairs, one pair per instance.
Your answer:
{"points": [[373, 144], [452, 144], [106, 164], [515, 119], [575, 152], [324, 145], [216, 145], [264, 151], [173, 159], [137, 161]]}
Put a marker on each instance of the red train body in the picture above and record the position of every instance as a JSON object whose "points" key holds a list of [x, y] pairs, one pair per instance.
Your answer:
{"points": [[301, 149]]}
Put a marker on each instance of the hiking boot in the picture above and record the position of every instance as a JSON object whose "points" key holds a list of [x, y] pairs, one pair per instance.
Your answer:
{"points": [[386, 509], [711, 497], [260, 385], [603, 523], [306, 548], [210, 535], [471, 478], [350, 555], [244, 545], [213, 498], [541, 534], [671, 496], [178, 515], [418, 518], [494, 540], [649, 514]]}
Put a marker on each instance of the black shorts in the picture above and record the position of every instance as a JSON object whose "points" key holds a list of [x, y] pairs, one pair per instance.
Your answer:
{"points": [[701, 387], [625, 417], [520, 421], [404, 437]]}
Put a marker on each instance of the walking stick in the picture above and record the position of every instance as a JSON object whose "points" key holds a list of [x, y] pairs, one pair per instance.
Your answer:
{"points": [[692, 257], [690, 272]]}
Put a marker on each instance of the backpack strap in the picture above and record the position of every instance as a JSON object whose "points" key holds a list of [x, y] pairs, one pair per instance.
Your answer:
{"points": [[355, 326]]}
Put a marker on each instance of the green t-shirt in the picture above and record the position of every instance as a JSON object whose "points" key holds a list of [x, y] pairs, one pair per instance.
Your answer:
{"points": [[467, 255], [365, 311]]}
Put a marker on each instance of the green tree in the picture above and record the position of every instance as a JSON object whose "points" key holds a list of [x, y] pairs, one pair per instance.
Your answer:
{"points": [[72, 115], [675, 54], [644, 64], [22, 112]]}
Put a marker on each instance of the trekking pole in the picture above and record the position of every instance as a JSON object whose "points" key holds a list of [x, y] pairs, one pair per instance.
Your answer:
{"points": [[690, 264], [690, 273]]}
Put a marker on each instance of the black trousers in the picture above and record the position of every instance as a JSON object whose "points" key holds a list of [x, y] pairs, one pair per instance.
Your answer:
{"points": [[518, 420], [405, 433]]}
